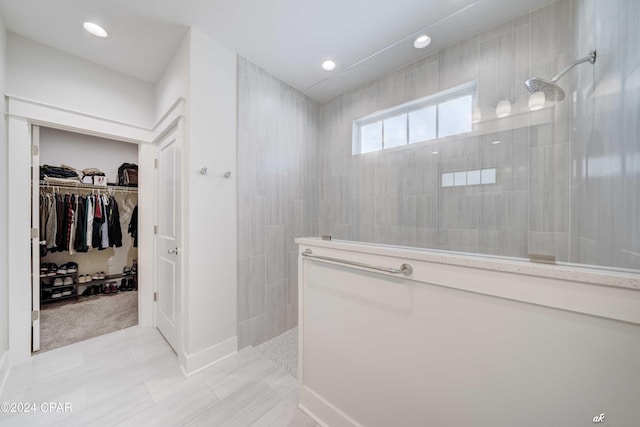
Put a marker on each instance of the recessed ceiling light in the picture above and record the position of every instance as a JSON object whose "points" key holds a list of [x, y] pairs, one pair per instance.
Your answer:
{"points": [[496, 142], [434, 152], [95, 29], [422, 41], [328, 65]]}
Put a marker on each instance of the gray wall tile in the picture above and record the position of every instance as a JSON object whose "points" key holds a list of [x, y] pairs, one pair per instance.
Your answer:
{"points": [[279, 197]]}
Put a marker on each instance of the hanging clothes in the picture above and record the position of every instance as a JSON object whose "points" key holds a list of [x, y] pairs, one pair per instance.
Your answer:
{"points": [[51, 222], [97, 223], [133, 226], [104, 229], [77, 223], [90, 213], [115, 232]]}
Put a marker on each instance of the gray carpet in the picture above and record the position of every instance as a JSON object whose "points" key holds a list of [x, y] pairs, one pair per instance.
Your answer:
{"points": [[67, 323], [283, 351]]}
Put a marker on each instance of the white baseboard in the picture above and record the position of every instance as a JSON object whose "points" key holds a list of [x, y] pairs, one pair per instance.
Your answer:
{"points": [[322, 411], [192, 363], [4, 370]]}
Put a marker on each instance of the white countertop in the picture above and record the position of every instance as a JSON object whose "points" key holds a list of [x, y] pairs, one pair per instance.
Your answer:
{"points": [[591, 275]]}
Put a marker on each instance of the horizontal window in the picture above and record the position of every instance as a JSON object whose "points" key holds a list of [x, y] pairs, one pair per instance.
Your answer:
{"points": [[471, 177], [440, 115]]}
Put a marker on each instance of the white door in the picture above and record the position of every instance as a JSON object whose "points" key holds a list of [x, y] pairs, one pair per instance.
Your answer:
{"points": [[168, 259], [35, 239]]}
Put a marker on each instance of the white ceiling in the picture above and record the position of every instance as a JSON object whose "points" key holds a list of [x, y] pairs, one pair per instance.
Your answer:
{"points": [[288, 38]]}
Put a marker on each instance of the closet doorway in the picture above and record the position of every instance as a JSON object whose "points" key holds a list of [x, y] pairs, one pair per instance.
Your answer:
{"points": [[85, 211]]}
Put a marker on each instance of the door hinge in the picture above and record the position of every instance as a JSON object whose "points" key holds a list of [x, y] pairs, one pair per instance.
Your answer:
{"points": [[155, 296], [35, 315], [155, 229], [155, 163], [34, 150], [35, 233]]}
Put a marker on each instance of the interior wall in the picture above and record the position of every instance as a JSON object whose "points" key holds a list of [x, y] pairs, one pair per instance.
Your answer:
{"points": [[84, 151], [395, 197], [44, 74], [58, 147], [605, 154], [278, 191], [210, 205], [174, 81], [4, 241]]}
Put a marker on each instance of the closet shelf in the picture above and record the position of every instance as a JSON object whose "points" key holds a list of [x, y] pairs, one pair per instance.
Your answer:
{"points": [[82, 186], [50, 288], [107, 278], [43, 301]]}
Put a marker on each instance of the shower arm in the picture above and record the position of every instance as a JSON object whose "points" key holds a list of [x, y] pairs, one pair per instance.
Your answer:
{"points": [[591, 58]]}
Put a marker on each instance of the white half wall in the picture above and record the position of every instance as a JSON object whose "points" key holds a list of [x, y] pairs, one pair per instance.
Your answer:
{"points": [[50, 76], [456, 344]]}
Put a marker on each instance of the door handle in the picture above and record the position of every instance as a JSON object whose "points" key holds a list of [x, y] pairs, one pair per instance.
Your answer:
{"points": [[173, 251]]}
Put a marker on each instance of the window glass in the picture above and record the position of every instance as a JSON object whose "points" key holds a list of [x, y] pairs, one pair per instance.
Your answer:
{"points": [[371, 137], [454, 116], [488, 176], [438, 115], [459, 178], [395, 131], [422, 124], [447, 179], [473, 177]]}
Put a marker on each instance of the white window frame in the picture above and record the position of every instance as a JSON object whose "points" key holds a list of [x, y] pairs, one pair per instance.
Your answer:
{"points": [[435, 99]]}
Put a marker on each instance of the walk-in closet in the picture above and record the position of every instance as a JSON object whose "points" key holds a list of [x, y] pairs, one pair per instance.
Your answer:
{"points": [[85, 209]]}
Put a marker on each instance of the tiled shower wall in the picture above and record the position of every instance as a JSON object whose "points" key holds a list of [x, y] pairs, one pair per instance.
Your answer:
{"points": [[605, 155], [394, 197], [568, 175], [278, 194]]}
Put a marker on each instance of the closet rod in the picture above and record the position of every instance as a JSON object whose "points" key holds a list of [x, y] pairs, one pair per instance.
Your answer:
{"points": [[88, 187]]}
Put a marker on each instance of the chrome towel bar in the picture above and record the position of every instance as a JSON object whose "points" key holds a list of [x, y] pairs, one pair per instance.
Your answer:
{"points": [[405, 269]]}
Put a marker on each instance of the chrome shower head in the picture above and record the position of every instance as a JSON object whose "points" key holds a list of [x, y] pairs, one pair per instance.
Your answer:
{"points": [[552, 92], [550, 88]]}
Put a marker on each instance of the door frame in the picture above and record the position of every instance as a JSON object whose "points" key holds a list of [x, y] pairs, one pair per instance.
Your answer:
{"points": [[21, 115]]}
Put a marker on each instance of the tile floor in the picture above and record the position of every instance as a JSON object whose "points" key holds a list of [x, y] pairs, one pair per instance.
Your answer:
{"points": [[131, 378], [283, 351]]}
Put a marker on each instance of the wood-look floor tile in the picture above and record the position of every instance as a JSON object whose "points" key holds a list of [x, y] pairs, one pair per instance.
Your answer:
{"points": [[132, 378]]}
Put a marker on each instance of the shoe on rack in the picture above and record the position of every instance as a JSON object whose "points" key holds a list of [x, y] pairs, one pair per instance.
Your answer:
{"points": [[68, 281], [72, 267], [134, 267], [123, 285], [126, 271], [132, 285], [56, 294], [67, 292], [101, 275], [106, 289], [95, 276], [62, 269], [58, 281], [114, 287], [52, 269]]}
